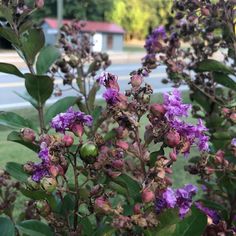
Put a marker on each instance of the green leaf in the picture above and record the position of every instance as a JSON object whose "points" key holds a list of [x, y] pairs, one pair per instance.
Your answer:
{"points": [[224, 80], [87, 227], [28, 98], [201, 99], [40, 87], [34, 228], [210, 65], [40, 195], [9, 35], [16, 171], [13, 120], [31, 43], [47, 56], [10, 69], [92, 96], [7, 13], [194, 224], [132, 186], [110, 135], [15, 136], [60, 106], [7, 227]]}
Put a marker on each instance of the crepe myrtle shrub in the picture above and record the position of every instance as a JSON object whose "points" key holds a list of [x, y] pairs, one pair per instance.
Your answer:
{"points": [[113, 183], [198, 50], [79, 64]]}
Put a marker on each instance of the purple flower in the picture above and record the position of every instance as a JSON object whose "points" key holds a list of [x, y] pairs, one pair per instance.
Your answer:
{"points": [[233, 142], [174, 106], [181, 198], [64, 121], [108, 80], [170, 198], [40, 170], [209, 212], [111, 96], [159, 32], [44, 152], [175, 110]]}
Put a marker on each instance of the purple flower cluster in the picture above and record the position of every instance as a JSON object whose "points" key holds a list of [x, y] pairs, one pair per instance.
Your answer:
{"points": [[64, 121], [181, 198], [152, 42], [209, 212], [41, 169], [175, 110], [111, 96], [109, 81]]}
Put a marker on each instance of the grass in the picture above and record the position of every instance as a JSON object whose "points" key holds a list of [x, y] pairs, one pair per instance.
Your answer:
{"points": [[10, 151], [133, 48]]}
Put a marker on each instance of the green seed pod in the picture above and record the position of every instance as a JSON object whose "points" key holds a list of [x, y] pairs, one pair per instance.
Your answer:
{"points": [[89, 152]]}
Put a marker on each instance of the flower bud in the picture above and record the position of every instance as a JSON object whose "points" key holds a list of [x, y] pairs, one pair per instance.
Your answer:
{"points": [[173, 156], [68, 140], [118, 164], [54, 170], [172, 138], [136, 80], [137, 208], [157, 110], [147, 196], [29, 167], [209, 170], [77, 129], [39, 3], [102, 204], [219, 157], [96, 190], [89, 152], [122, 144], [43, 207], [48, 184], [205, 11], [28, 135]]}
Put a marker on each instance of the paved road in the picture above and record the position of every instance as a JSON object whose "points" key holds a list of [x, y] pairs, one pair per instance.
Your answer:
{"points": [[10, 84]]}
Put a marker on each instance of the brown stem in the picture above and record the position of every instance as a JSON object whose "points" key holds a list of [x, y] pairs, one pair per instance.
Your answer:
{"points": [[76, 208]]}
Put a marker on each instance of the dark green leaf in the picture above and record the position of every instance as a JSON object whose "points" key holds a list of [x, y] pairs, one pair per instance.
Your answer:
{"points": [[224, 80], [39, 87], [110, 135], [31, 43], [16, 171], [7, 227], [13, 120], [7, 13], [26, 26], [60, 106], [28, 98], [210, 65], [9, 35], [10, 69], [132, 186], [87, 227], [201, 99], [47, 56], [34, 228], [104, 230], [15, 136], [193, 224], [40, 195]]}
